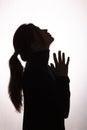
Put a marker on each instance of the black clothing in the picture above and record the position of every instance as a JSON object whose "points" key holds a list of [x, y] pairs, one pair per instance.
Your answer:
{"points": [[46, 97]]}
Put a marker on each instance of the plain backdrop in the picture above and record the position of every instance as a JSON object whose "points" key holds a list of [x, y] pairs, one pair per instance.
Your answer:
{"points": [[66, 20]]}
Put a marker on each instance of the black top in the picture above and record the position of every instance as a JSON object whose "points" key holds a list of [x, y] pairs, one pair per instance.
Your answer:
{"points": [[46, 97]]}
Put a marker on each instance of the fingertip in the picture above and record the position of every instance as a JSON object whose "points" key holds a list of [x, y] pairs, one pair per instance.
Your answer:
{"points": [[54, 54], [59, 52], [68, 60], [59, 55], [63, 57]]}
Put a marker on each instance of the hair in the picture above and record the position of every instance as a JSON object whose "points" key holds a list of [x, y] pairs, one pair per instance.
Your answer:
{"points": [[23, 36], [15, 84]]}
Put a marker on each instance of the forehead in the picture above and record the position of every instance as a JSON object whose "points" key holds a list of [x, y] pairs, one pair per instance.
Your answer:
{"points": [[38, 29], [35, 30], [34, 27]]}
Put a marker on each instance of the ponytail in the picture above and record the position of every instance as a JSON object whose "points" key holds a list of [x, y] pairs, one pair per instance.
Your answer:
{"points": [[15, 83]]}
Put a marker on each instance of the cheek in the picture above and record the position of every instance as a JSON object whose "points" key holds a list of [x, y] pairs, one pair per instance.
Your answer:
{"points": [[47, 38]]}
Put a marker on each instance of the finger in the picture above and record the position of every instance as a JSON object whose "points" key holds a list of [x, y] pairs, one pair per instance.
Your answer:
{"points": [[63, 58], [68, 60], [59, 56], [52, 65], [55, 59]]}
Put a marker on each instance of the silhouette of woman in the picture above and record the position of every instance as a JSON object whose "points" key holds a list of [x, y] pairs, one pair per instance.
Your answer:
{"points": [[45, 88]]}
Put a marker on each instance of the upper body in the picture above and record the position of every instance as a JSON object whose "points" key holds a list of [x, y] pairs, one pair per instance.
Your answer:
{"points": [[46, 97], [45, 88]]}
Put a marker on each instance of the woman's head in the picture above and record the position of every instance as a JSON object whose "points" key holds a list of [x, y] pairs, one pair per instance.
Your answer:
{"points": [[29, 38]]}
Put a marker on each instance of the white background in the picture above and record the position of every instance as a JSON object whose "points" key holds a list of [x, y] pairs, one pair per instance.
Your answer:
{"points": [[66, 20]]}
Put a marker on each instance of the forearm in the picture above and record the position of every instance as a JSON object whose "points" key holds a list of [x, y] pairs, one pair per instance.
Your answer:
{"points": [[63, 94]]}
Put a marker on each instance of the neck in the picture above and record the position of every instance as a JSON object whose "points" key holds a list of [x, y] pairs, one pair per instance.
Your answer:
{"points": [[39, 58]]}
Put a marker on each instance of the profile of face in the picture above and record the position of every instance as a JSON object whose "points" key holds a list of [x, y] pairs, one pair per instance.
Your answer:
{"points": [[29, 38]]}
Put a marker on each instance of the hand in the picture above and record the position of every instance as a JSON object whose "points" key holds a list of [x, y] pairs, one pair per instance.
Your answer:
{"points": [[60, 68]]}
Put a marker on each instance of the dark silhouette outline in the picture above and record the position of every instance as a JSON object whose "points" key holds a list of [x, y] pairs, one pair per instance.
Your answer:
{"points": [[45, 88]]}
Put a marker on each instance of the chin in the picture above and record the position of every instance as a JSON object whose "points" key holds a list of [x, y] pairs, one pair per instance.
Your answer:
{"points": [[52, 39], [23, 58]]}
